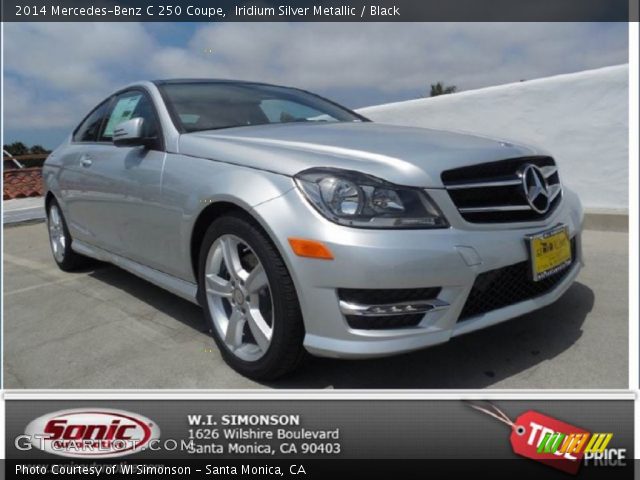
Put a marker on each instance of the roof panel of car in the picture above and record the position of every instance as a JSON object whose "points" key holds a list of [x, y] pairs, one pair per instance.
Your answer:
{"points": [[208, 80]]}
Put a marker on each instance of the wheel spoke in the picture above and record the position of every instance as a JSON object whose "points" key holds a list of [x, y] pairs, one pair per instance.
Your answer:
{"points": [[260, 330], [235, 327], [218, 286], [256, 280], [55, 218], [231, 258]]}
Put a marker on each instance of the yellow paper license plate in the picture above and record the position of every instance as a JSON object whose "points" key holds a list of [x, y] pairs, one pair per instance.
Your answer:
{"points": [[550, 252]]}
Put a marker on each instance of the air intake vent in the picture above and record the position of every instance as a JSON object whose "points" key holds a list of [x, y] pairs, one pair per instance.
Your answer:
{"points": [[515, 190], [509, 285]]}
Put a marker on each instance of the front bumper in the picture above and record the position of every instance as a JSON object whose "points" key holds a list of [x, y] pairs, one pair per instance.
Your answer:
{"points": [[450, 259]]}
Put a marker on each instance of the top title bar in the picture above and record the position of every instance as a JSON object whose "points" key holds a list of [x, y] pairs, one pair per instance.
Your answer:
{"points": [[321, 11]]}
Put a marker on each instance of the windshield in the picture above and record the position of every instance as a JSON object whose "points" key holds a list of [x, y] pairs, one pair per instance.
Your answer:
{"points": [[211, 106]]}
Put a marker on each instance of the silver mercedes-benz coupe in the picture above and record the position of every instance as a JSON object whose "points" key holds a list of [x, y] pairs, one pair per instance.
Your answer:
{"points": [[299, 225]]}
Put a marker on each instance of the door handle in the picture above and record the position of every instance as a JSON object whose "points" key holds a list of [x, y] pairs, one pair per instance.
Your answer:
{"points": [[86, 161]]}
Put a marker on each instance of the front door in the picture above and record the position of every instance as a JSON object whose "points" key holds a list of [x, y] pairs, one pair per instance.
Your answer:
{"points": [[123, 184]]}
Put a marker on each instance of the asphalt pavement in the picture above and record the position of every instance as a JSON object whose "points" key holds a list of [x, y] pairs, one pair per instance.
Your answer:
{"points": [[103, 328]]}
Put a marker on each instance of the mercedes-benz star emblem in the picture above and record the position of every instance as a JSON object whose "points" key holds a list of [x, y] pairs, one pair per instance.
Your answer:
{"points": [[536, 189]]}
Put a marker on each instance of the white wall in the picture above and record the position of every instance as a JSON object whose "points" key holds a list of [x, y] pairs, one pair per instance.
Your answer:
{"points": [[581, 118]]}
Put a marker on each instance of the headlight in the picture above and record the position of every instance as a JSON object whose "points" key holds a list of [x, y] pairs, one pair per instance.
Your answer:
{"points": [[358, 200]]}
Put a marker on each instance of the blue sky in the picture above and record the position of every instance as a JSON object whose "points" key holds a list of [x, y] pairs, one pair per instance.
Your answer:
{"points": [[55, 72]]}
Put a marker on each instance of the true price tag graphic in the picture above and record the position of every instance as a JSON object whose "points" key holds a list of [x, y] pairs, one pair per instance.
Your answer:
{"points": [[543, 438], [530, 430]]}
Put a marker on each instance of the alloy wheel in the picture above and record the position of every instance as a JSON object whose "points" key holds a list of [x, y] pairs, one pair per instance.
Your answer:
{"points": [[56, 233], [239, 298]]}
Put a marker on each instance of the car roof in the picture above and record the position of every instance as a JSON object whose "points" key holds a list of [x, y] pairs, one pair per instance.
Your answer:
{"points": [[173, 81]]}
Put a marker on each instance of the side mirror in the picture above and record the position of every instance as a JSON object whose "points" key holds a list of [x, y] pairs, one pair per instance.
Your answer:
{"points": [[130, 133]]}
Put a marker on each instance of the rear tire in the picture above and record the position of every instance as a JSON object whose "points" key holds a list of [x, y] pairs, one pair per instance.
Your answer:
{"points": [[249, 299], [60, 240]]}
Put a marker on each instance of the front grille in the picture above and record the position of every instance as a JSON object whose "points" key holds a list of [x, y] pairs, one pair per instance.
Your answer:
{"points": [[494, 193], [509, 285], [375, 296]]}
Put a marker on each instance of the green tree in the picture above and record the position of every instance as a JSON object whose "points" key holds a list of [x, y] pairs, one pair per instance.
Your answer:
{"points": [[38, 149], [440, 89], [17, 148]]}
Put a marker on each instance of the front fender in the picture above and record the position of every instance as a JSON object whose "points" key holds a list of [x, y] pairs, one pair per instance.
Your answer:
{"points": [[190, 185]]}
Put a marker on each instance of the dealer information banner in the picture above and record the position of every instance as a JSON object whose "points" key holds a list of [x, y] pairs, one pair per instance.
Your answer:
{"points": [[314, 438]]}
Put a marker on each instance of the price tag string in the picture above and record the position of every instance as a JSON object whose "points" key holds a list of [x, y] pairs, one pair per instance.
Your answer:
{"points": [[494, 412]]}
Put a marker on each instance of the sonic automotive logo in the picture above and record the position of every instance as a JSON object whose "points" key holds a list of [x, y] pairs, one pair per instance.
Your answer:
{"points": [[89, 433]]}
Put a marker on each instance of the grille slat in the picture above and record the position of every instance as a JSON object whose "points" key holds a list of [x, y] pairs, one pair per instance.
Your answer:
{"points": [[493, 192], [509, 285]]}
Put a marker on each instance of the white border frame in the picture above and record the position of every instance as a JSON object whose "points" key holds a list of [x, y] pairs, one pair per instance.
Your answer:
{"points": [[2, 412], [634, 331], [319, 395]]}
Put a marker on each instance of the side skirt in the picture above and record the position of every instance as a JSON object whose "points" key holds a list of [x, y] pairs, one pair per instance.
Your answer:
{"points": [[186, 290]]}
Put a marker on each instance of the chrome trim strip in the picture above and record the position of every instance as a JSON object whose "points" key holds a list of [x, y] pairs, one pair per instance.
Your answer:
{"points": [[497, 208], [554, 191], [400, 308], [548, 170], [496, 183]]}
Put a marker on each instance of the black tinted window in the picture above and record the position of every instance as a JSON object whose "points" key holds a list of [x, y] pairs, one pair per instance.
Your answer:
{"points": [[90, 127], [128, 105]]}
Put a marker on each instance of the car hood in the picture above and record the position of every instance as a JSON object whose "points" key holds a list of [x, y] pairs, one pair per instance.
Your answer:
{"points": [[402, 155]]}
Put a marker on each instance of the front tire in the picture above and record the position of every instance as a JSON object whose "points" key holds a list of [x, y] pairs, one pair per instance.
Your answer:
{"points": [[60, 240], [249, 300]]}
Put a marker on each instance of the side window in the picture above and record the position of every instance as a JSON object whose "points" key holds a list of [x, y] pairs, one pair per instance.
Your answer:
{"points": [[130, 105], [90, 127]]}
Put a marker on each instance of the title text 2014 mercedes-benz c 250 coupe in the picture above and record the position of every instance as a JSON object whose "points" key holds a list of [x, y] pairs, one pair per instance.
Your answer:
{"points": [[299, 225]]}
